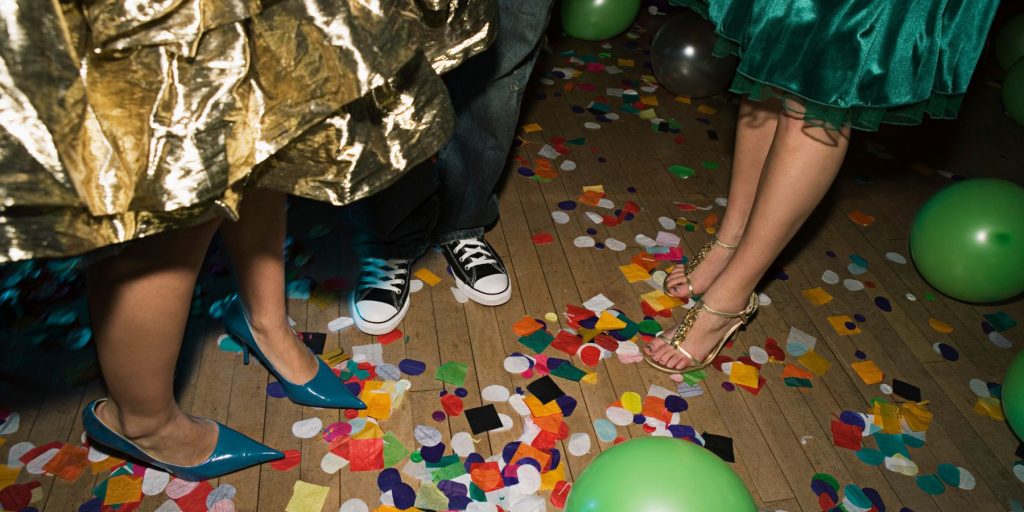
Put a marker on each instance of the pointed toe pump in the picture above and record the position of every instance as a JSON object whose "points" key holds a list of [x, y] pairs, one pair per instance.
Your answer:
{"points": [[324, 390], [234, 451]]}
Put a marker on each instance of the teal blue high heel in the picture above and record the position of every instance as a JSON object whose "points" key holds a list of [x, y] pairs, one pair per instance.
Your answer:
{"points": [[324, 390], [234, 451]]}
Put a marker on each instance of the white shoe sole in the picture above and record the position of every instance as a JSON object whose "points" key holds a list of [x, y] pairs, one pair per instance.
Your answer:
{"points": [[375, 328], [484, 298]]}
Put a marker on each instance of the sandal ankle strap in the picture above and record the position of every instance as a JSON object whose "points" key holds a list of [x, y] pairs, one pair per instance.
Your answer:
{"points": [[744, 315]]}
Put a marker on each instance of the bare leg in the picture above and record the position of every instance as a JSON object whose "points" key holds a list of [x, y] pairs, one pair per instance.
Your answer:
{"points": [[256, 246], [755, 129], [801, 165], [139, 302]]}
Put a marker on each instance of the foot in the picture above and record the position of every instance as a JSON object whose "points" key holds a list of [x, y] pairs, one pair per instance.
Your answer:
{"points": [[182, 440], [286, 351], [703, 336], [702, 276], [478, 271], [381, 300]]}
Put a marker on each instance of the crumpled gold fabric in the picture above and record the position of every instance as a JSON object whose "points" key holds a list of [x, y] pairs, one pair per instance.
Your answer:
{"points": [[123, 118]]}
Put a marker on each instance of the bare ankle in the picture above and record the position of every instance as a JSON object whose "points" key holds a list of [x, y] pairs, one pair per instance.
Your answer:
{"points": [[134, 427]]}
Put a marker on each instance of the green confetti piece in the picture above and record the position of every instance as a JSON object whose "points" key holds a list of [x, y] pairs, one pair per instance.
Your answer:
{"points": [[681, 171], [891, 444], [537, 341], [797, 382], [447, 460], [711, 166], [429, 497], [577, 142], [449, 472], [856, 497], [949, 474], [870, 456], [394, 450], [416, 456], [827, 479], [452, 372], [568, 371], [630, 109], [913, 441], [649, 327], [692, 378], [600, 107], [1000, 321], [476, 493], [930, 484]]}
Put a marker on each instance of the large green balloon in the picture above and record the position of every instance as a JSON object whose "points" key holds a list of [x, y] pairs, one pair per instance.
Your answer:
{"points": [[1013, 92], [1013, 395], [658, 474], [594, 20], [1010, 42], [968, 240]]}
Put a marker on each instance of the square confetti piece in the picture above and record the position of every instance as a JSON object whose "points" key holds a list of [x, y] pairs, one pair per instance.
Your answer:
{"points": [[452, 372], [307, 497], [526, 325], [634, 273], [538, 341], [743, 375], [123, 489], [868, 371], [817, 296], [815, 363], [846, 436], [531, 128], [69, 462], [567, 342], [425, 275], [844, 325], [483, 419]]}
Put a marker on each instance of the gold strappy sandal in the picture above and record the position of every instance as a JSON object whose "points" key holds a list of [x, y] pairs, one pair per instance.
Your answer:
{"points": [[684, 328], [691, 265]]}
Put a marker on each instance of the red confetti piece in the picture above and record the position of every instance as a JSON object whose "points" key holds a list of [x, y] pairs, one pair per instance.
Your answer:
{"points": [[560, 494], [452, 404], [774, 350], [291, 460], [543, 238], [195, 501], [590, 355], [846, 436], [607, 342], [389, 338], [567, 342]]}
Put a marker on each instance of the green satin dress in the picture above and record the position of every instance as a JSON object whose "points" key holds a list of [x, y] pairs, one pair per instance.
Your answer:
{"points": [[859, 63]]}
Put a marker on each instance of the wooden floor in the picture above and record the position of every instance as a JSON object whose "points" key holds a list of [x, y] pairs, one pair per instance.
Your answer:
{"points": [[782, 436]]}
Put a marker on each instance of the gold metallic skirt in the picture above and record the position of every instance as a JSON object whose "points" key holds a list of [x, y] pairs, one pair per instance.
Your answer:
{"points": [[120, 119]]}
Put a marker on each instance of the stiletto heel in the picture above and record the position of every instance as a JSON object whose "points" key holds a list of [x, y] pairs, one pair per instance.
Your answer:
{"points": [[245, 355], [691, 317], [234, 451], [324, 390]]}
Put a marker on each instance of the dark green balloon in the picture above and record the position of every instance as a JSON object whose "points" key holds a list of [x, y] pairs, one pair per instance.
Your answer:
{"points": [[659, 474], [968, 240], [1010, 42], [1013, 92], [594, 20], [1013, 395]]}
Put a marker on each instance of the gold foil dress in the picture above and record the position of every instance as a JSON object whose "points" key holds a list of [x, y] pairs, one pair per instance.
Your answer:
{"points": [[124, 118]]}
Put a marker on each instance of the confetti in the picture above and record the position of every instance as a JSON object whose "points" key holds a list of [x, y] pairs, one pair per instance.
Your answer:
{"points": [[427, 276]]}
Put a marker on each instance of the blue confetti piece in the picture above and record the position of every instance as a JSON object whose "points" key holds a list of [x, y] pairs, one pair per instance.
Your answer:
{"points": [[298, 289], [388, 479], [412, 367]]}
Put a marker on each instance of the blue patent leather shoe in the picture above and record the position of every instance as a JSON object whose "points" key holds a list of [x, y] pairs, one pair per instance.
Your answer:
{"points": [[234, 451], [324, 390]]}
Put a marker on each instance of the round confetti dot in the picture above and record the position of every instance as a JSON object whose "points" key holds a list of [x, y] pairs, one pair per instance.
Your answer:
{"points": [[860, 355], [886, 389], [567, 205], [461, 392], [592, 126], [619, 416], [883, 304], [830, 254], [412, 367], [631, 190], [305, 429], [525, 171], [517, 364], [560, 217], [583, 242], [354, 505], [495, 393], [853, 285], [999, 340], [728, 386], [639, 419], [979, 388], [896, 257], [632, 402], [602, 159], [1018, 470], [438, 416], [675, 403], [567, 165], [850, 325], [830, 277], [599, 245], [404, 496], [758, 355], [930, 484], [388, 478], [605, 430], [576, 109], [426, 435], [275, 390], [870, 456], [614, 245], [859, 317], [946, 351], [911, 297]]}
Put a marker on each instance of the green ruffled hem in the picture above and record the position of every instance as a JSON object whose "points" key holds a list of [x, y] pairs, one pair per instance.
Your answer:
{"points": [[823, 114]]}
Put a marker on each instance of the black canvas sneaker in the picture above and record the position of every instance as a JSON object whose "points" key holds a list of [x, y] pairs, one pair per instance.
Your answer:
{"points": [[478, 271], [381, 299]]}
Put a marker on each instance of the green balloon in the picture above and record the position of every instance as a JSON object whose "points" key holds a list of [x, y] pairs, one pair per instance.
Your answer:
{"points": [[1010, 42], [659, 474], [1013, 395], [1013, 92], [968, 240], [594, 20]]}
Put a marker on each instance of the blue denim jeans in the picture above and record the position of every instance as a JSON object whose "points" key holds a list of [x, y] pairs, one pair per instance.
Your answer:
{"points": [[456, 197]]}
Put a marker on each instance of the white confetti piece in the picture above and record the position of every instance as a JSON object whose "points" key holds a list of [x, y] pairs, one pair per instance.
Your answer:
{"points": [[495, 393], [722, 201], [224, 342], [579, 444], [354, 505], [758, 355], [223, 492], [373, 353], [154, 481], [529, 479], [886, 389], [306, 429], [614, 245], [592, 126], [340, 323], [168, 506], [900, 464], [516, 364], [427, 435], [830, 277], [853, 285], [598, 303], [689, 390], [506, 423], [896, 257], [11, 424], [387, 499], [548, 152], [415, 286], [560, 217], [659, 392], [518, 404], [666, 239], [911, 297], [583, 242], [462, 444], [999, 340], [223, 506], [619, 416], [1018, 471], [611, 116], [967, 481], [178, 488], [605, 203], [459, 295], [645, 241], [613, 92], [594, 217], [331, 463], [528, 503], [95, 454], [649, 88], [35, 466], [544, 81], [799, 342], [567, 165], [666, 223], [979, 388], [762, 299], [388, 372], [855, 269], [476, 506]]}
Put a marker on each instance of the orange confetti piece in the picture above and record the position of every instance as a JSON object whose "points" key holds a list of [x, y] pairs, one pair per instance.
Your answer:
{"points": [[525, 326], [940, 326], [860, 218]]}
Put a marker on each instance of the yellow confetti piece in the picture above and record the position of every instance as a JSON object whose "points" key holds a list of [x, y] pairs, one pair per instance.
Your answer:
{"points": [[887, 416], [8, 475], [839, 324], [532, 127], [634, 273], [586, 335], [743, 374], [590, 378], [594, 188], [650, 100], [105, 465], [989, 406], [817, 296], [868, 371], [307, 497], [940, 326], [649, 79], [626, 63], [378, 405], [815, 363], [370, 431], [609, 322], [552, 477], [648, 114], [123, 489], [683, 99], [918, 418], [707, 109], [550, 317], [632, 402], [653, 298], [427, 276], [389, 508]]}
